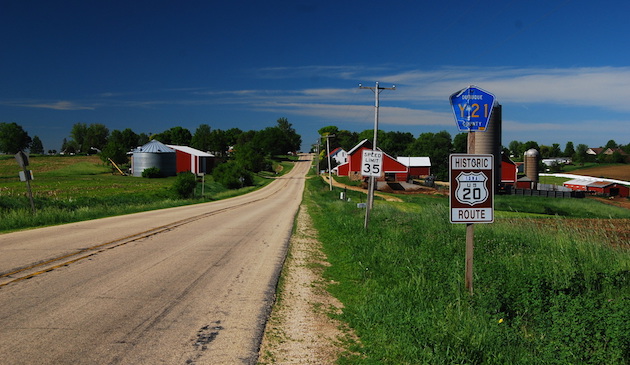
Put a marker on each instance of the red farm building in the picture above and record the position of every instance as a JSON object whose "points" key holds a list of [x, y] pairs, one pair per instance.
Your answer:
{"points": [[599, 187], [191, 159], [393, 170], [417, 166]]}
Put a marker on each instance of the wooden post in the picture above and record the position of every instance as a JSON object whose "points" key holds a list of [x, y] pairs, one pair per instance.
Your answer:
{"points": [[470, 229]]}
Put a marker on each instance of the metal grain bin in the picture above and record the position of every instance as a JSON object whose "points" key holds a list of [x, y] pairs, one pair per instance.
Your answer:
{"points": [[153, 154], [489, 141], [531, 165]]}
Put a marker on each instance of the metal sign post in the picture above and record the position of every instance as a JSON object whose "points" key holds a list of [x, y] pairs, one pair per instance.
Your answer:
{"points": [[372, 167], [372, 181], [26, 175]]}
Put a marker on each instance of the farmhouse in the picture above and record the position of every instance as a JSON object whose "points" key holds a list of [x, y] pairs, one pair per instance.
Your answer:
{"points": [[392, 169], [339, 155]]}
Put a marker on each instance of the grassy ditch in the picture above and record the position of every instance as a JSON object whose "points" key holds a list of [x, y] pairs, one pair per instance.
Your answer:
{"points": [[75, 188], [546, 290]]}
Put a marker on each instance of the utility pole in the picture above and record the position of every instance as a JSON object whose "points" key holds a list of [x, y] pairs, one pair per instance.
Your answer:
{"points": [[372, 182], [328, 137], [317, 149]]}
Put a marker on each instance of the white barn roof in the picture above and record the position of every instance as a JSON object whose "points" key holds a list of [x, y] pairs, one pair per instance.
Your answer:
{"points": [[190, 151], [415, 161]]}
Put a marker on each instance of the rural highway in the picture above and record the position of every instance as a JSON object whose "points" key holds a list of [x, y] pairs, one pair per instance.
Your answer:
{"points": [[187, 285]]}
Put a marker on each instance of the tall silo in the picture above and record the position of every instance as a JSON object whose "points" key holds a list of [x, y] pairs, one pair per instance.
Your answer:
{"points": [[531, 166], [489, 141], [154, 154]]}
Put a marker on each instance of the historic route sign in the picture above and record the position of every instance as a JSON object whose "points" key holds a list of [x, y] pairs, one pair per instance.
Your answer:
{"points": [[472, 108], [472, 188], [372, 163]]}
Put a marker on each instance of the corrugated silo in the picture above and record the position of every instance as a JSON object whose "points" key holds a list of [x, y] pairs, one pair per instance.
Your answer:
{"points": [[489, 141], [531, 166], [154, 154]]}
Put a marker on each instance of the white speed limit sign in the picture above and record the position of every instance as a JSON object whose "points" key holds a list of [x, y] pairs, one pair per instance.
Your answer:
{"points": [[372, 163]]}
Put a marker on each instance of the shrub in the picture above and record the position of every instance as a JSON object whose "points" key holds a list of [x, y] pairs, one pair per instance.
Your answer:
{"points": [[185, 184], [232, 175], [152, 172]]}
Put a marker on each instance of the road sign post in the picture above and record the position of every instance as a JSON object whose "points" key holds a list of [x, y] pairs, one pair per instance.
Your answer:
{"points": [[471, 198], [472, 190], [26, 175], [372, 167]]}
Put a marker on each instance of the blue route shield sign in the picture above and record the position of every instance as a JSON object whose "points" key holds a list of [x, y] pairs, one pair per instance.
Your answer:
{"points": [[472, 108]]}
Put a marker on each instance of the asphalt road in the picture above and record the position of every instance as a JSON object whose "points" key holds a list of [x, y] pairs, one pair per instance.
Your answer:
{"points": [[188, 285]]}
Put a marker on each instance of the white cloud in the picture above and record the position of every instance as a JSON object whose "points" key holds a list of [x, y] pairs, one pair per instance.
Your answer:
{"points": [[60, 105]]}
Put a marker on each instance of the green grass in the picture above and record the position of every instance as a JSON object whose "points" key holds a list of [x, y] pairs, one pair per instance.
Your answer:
{"points": [[545, 293], [74, 188]]}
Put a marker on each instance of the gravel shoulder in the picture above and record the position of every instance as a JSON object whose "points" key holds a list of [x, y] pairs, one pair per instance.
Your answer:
{"points": [[300, 329]]}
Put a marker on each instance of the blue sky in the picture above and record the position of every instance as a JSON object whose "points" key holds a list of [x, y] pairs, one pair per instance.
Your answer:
{"points": [[560, 68]]}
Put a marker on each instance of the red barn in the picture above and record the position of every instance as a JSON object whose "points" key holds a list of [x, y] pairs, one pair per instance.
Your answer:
{"points": [[417, 166], [599, 187], [393, 170], [509, 171], [193, 160], [608, 188]]}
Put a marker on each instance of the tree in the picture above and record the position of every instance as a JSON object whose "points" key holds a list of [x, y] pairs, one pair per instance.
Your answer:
{"points": [[460, 143], [115, 148], [569, 150], [516, 149], [529, 145], [555, 150], [37, 146], [219, 144], [346, 139], [290, 139], [232, 175], [78, 133], [177, 135], [545, 151], [95, 138], [611, 144], [580, 155], [396, 143], [438, 147], [13, 138], [202, 139]]}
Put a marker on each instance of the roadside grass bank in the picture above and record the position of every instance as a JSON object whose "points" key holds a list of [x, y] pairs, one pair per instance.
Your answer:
{"points": [[76, 188], [547, 291]]}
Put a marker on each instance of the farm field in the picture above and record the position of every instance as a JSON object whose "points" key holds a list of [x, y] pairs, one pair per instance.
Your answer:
{"points": [[74, 188], [618, 172]]}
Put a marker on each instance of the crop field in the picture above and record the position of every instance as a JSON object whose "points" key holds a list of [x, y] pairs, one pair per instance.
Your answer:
{"points": [[618, 172]]}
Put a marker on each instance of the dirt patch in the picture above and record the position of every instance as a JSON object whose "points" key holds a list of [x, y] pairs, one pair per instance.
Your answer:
{"points": [[618, 172], [300, 329]]}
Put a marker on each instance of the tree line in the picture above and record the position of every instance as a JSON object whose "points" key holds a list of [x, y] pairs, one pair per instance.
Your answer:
{"points": [[438, 146], [247, 151]]}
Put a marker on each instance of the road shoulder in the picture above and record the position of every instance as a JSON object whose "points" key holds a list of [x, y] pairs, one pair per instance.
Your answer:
{"points": [[300, 329]]}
